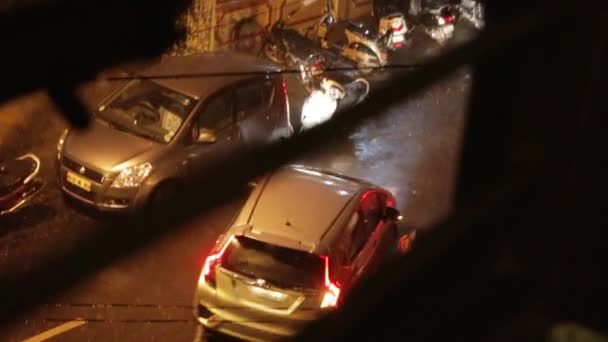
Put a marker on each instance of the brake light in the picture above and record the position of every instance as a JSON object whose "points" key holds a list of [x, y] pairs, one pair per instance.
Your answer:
{"points": [[286, 99], [332, 290], [284, 87], [390, 201], [212, 261], [449, 19]]}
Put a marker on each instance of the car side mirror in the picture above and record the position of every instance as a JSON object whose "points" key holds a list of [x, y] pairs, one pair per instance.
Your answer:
{"points": [[206, 136], [392, 214]]}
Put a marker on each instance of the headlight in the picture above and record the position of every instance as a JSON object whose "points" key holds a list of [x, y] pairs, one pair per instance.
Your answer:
{"points": [[133, 176], [317, 108], [61, 142]]}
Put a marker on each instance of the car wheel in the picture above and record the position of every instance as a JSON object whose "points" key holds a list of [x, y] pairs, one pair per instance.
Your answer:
{"points": [[162, 194]]}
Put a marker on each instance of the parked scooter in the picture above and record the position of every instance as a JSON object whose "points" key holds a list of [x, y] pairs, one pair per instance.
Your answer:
{"points": [[396, 23], [473, 11], [366, 47], [390, 17], [438, 22], [328, 95], [332, 97], [324, 64], [19, 182]]}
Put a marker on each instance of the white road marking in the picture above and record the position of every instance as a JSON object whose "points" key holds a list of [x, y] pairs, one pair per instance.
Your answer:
{"points": [[60, 329]]}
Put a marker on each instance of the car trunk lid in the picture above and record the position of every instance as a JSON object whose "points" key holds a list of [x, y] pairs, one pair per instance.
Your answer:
{"points": [[268, 277]]}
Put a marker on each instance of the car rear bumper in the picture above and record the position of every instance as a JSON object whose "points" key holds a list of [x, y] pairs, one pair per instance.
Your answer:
{"points": [[228, 321], [240, 331]]}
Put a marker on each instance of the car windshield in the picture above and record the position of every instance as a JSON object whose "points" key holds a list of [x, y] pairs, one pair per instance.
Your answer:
{"points": [[147, 109], [280, 266]]}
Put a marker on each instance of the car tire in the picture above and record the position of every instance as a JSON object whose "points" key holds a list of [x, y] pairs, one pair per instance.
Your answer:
{"points": [[162, 194]]}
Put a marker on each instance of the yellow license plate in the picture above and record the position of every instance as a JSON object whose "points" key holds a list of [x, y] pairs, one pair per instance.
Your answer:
{"points": [[79, 181]]}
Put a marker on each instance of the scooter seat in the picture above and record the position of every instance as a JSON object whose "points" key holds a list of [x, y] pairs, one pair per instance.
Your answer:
{"points": [[13, 173]]}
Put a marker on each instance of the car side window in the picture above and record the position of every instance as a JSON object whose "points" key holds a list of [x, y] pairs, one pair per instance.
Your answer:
{"points": [[217, 112], [343, 247], [357, 236], [252, 97], [382, 198]]}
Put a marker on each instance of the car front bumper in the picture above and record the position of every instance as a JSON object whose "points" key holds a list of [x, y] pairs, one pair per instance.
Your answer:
{"points": [[101, 195]]}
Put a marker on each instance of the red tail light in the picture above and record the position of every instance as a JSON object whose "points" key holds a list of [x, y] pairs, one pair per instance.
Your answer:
{"points": [[332, 290], [212, 261], [286, 100], [390, 201], [284, 88], [449, 19]]}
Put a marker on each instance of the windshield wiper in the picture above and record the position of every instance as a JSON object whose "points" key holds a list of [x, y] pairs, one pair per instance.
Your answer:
{"points": [[147, 136], [133, 131]]}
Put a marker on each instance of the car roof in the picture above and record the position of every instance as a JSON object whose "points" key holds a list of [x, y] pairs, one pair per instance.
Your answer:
{"points": [[300, 204], [206, 63]]}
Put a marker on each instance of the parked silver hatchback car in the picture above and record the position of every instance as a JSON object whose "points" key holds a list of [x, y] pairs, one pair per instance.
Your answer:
{"points": [[153, 133], [303, 238]]}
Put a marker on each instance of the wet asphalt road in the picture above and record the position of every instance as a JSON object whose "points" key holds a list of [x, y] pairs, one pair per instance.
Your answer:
{"points": [[412, 150]]}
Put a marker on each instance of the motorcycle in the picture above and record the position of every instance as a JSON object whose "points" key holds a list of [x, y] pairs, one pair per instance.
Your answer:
{"points": [[19, 183], [327, 95], [368, 49], [390, 17], [285, 45]]}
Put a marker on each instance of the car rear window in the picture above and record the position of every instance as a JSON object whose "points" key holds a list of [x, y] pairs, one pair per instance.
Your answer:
{"points": [[280, 266]]}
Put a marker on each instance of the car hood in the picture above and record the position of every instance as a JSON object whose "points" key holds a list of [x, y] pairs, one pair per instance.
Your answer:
{"points": [[108, 149]]}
